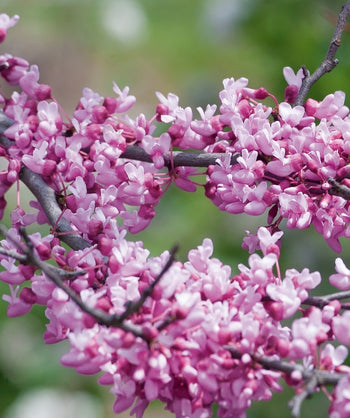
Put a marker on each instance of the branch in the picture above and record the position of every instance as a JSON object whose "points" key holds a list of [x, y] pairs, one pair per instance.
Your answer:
{"points": [[313, 378], [329, 62], [338, 189], [177, 158], [295, 403], [47, 198], [133, 307], [321, 301], [57, 276]]}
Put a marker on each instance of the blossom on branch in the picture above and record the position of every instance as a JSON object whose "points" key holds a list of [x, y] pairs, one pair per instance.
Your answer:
{"points": [[191, 334]]}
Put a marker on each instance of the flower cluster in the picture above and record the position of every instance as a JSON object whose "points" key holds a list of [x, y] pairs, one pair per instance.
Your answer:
{"points": [[178, 346]]}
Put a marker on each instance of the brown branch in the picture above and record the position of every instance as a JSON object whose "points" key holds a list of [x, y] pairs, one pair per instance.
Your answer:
{"points": [[322, 301], [133, 307], [57, 276], [178, 158], [47, 198], [329, 62], [338, 189], [313, 378]]}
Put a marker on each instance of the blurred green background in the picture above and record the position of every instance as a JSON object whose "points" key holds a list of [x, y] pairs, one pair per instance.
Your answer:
{"points": [[188, 48]]}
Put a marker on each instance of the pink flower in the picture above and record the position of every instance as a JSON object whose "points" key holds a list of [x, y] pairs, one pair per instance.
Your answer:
{"points": [[17, 306], [341, 280], [341, 399], [295, 208], [14, 68], [331, 356], [267, 241], [286, 295], [5, 24], [29, 84], [340, 327], [308, 332], [292, 78], [124, 101], [50, 121], [38, 161], [156, 148]]}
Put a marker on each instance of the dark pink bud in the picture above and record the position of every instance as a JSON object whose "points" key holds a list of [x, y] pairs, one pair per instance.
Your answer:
{"points": [[297, 162], [216, 123], [104, 304], [71, 203], [110, 103], [149, 332], [88, 320], [312, 166], [27, 271], [95, 227], [43, 250], [291, 93], [33, 122], [28, 296], [100, 114], [161, 109], [224, 336], [220, 147], [93, 131], [261, 93], [128, 340], [49, 167], [105, 245], [210, 190], [113, 264], [283, 347], [146, 212], [244, 108], [272, 214], [179, 312], [3, 34], [321, 337], [43, 92], [275, 310], [311, 106]]}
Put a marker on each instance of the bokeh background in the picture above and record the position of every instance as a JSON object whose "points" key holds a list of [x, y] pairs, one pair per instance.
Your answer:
{"points": [[188, 48]]}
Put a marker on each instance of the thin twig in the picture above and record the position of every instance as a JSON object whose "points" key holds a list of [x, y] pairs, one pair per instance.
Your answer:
{"points": [[313, 378], [295, 403], [57, 275], [133, 307], [329, 62]]}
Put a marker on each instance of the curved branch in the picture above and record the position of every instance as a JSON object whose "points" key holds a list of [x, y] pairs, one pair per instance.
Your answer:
{"points": [[47, 198], [329, 62], [57, 276], [177, 158], [313, 378]]}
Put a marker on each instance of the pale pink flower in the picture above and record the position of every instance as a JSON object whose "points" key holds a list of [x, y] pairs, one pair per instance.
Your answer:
{"points": [[341, 280], [6, 23], [340, 327]]}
